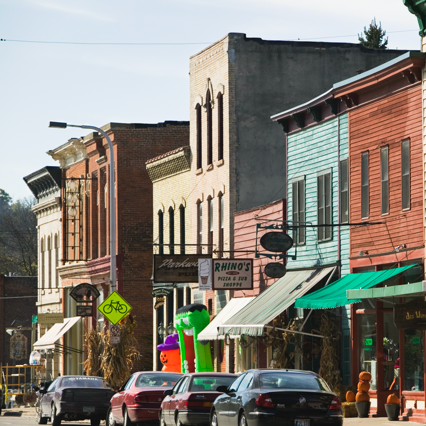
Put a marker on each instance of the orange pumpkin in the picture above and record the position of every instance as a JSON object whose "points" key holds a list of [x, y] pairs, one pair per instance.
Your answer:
{"points": [[362, 396], [171, 360], [365, 375], [363, 386], [393, 399], [350, 396]]}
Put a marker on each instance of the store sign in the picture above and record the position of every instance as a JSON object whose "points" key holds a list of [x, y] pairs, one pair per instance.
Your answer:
{"points": [[232, 274], [159, 301], [50, 318], [84, 311], [276, 241], [410, 315], [18, 346], [85, 293], [162, 291], [177, 268], [275, 270]]}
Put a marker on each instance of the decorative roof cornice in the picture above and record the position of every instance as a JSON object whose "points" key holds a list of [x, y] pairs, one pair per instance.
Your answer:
{"points": [[418, 8], [169, 164], [69, 153], [44, 182]]}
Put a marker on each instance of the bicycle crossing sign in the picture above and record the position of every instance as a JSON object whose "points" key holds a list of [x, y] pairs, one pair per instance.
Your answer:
{"points": [[114, 308]]}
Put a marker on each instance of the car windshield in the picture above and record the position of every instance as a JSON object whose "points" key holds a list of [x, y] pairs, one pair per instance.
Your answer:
{"points": [[83, 382], [210, 383], [159, 379], [284, 380]]}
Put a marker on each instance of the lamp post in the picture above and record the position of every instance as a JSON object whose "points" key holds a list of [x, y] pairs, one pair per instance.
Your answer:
{"points": [[112, 229]]}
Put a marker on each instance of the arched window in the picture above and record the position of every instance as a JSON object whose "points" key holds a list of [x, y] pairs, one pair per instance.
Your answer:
{"points": [[199, 137], [199, 227], [171, 230], [42, 272], [221, 224], [209, 128], [220, 126], [211, 227], [49, 262], [161, 232], [182, 228]]}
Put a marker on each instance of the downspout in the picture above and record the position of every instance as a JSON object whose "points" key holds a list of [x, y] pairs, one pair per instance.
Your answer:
{"points": [[338, 194]]}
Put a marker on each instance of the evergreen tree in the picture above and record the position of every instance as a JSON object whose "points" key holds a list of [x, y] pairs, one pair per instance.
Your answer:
{"points": [[374, 36]]}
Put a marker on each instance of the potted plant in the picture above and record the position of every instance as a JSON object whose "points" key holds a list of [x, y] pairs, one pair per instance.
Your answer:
{"points": [[393, 407], [362, 397]]}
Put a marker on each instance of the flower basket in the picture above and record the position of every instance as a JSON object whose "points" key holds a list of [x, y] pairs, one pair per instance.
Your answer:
{"points": [[29, 398]]}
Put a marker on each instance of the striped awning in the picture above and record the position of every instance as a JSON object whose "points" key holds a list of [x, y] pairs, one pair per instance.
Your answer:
{"points": [[276, 299]]}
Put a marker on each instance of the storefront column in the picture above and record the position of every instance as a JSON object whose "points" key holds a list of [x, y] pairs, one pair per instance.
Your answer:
{"points": [[381, 397], [354, 346]]}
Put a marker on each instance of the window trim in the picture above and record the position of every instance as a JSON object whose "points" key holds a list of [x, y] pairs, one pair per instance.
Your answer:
{"points": [[209, 111], [171, 230], [199, 226], [199, 129], [160, 231], [220, 126], [328, 216], [408, 141], [365, 208], [384, 181], [182, 228]]}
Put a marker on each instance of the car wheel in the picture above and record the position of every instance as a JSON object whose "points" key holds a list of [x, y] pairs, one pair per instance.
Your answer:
{"points": [[95, 421], [214, 419], [127, 421], [56, 421], [40, 419], [110, 418], [243, 420]]}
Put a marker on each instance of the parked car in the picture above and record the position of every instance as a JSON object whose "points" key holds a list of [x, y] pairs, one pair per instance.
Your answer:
{"points": [[190, 401], [139, 398], [277, 397], [74, 398]]}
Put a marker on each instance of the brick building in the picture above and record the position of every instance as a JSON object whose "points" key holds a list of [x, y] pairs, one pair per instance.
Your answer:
{"points": [[85, 220]]}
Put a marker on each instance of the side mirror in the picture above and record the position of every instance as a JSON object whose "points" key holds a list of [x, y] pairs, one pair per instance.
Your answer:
{"points": [[168, 392], [222, 389]]}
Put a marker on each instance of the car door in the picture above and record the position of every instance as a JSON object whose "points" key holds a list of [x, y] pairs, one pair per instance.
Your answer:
{"points": [[47, 399], [222, 404], [166, 404], [175, 398], [236, 398], [117, 399]]}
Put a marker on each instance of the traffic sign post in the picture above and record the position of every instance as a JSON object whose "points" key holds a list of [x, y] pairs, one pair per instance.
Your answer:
{"points": [[114, 308]]}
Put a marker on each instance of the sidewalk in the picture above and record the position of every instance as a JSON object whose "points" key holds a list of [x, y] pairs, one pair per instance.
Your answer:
{"points": [[21, 411]]}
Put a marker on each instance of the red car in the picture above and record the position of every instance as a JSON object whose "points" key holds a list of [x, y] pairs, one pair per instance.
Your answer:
{"points": [[190, 401], [139, 399]]}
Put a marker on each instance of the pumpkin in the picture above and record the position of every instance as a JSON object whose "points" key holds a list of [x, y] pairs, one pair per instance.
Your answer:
{"points": [[365, 375], [362, 396], [363, 386], [393, 399], [350, 396]]}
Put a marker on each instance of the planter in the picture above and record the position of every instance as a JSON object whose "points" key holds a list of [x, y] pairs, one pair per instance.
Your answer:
{"points": [[363, 408], [392, 410]]}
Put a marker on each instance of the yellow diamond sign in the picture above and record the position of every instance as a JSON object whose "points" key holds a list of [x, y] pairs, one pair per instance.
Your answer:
{"points": [[114, 308]]}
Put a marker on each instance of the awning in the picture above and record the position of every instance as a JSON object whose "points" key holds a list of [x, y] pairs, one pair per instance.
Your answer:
{"points": [[334, 294], [47, 341], [276, 299], [406, 290], [235, 305]]}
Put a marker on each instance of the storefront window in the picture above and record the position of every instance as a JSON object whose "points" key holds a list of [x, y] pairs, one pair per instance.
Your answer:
{"points": [[367, 347], [413, 360], [390, 352]]}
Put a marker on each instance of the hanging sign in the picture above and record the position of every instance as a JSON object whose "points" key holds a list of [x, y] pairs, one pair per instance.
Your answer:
{"points": [[50, 318], [205, 275], [276, 241], [84, 311], [275, 270], [232, 274], [410, 315], [18, 346], [85, 293]]}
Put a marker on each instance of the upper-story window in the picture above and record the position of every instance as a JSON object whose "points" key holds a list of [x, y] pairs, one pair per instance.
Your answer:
{"points": [[182, 229], [220, 126], [211, 224], [199, 227], [57, 260], [171, 231], [49, 262], [384, 178], [221, 224], [344, 191], [160, 232], [405, 171], [199, 137], [298, 200], [324, 205], [209, 128], [43, 269], [365, 191]]}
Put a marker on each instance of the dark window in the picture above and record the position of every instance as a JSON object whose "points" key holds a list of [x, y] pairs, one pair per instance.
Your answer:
{"points": [[210, 306], [199, 137], [324, 206], [210, 203], [365, 194], [171, 231], [49, 262], [246, 383], [234, 386], [384, 178], [298, 198], [160, 232], [42, 275], [155, 380], [288, 380], [344, 191], [220, 126], [199, 226], [56, 260], [209, 128], [182, 229], [405, 170], [221, 224]]}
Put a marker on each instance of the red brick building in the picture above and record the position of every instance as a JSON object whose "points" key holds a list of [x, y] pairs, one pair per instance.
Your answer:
{"points": [[85, 220]]}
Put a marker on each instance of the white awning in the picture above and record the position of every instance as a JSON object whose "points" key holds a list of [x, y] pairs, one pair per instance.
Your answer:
{"points": [[235, 305], [47, 341]]}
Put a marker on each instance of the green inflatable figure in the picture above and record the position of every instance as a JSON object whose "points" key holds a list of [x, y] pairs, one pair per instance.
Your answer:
{"points": [[195, 355]]}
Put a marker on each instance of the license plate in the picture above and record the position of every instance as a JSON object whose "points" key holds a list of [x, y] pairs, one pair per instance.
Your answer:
{"points": [[302, 422], [88, 409]]}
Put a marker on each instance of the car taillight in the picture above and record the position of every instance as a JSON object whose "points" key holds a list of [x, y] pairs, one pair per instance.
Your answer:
{"points": [[142, 398], [335, 404], [264, 400], [67, 395]]}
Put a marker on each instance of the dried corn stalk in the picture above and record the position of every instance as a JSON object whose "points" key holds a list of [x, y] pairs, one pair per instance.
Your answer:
{"points": [[117, 360], [281, 341], [93, 345]]}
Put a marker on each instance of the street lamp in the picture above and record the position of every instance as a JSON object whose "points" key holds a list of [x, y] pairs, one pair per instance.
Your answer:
{"points": [[112, 230]]}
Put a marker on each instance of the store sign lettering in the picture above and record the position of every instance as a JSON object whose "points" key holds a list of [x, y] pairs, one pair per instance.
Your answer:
{"points": [[410, 315]]}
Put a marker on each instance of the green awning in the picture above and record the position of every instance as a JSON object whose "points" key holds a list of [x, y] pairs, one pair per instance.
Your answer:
{"points": [[405, 290], [334, 294], [268, 305]]}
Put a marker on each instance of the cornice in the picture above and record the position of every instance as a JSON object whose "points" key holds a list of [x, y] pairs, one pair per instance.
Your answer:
{"points": [[69, 153], [418, 8], [169, 164], [73, 270], [53, 203]]}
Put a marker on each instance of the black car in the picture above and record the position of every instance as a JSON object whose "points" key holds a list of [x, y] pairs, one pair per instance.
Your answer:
{"points": [[74, 398], [277, 397]]}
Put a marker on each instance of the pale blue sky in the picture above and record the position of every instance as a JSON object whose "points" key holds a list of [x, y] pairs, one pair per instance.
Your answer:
{"points": [[96, 84]]}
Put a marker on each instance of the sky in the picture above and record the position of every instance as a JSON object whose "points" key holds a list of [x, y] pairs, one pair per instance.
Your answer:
{"points": [[93, 62]]}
